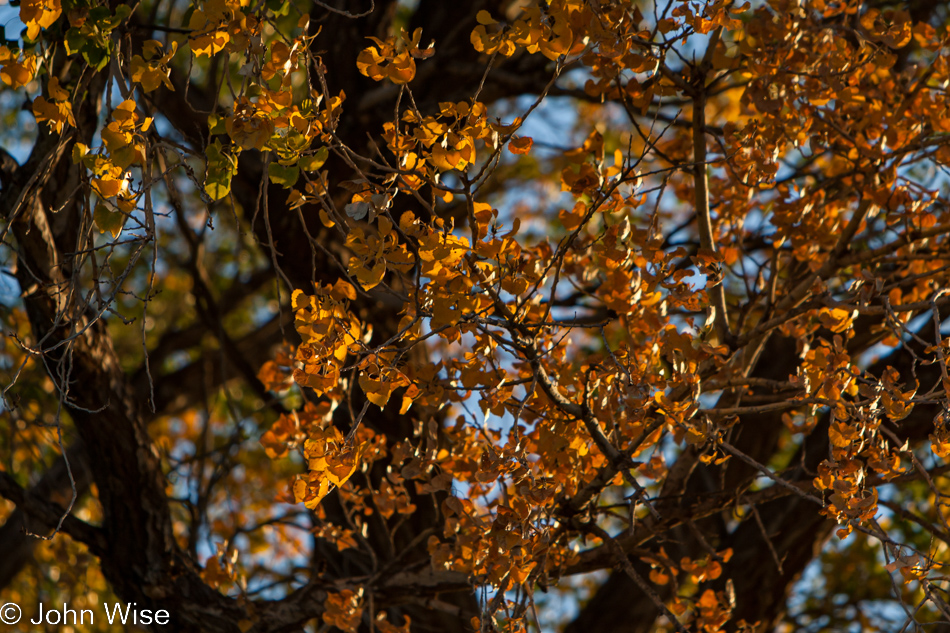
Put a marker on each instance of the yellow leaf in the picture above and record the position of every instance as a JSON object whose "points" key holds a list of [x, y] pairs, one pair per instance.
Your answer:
{"points": [[249, 130], [343, 289], [149, 76], [574, 218], [341, 470], [402, 70], [79, 152], [207, 39], [300, 490], [39, 14], [15, 72], [56, 114], [368, 63], [836, 319], [368, 278], [107, 187], [55, 91], [377, 391], [484, 17], [325, 219]]}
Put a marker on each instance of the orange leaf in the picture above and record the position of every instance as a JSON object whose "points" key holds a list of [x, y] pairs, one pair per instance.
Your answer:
{"points": [[520, 145]]}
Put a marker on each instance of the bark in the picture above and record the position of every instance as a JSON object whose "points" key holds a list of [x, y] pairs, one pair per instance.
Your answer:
{"points": [[55, 484]]}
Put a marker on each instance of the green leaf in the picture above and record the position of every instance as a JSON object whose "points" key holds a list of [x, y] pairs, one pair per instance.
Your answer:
{"points": [[217, 189], [186, 17], [108, 220], [296, 142], [221, 168], [278, 7], [315, 162], [97, 57], [74, 41], [98, 15], [216, 124], [282, 175], [79, 152], [121, 13], [95, 49]]}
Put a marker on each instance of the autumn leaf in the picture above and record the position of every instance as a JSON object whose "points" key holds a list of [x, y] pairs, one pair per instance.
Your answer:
{"points": [[249, 127], [377, 391], [39, 14], [16, 69], [520, 145], [384, 61], [152, 70], [368, 277], [343, 610], [55, 113], [443, 371]]}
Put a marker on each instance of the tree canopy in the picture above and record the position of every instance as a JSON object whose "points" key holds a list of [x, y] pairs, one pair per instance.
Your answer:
{"points": [[502, 315]]}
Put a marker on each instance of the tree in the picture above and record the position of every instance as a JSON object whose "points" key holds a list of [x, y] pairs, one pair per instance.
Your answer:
{"points": [[412, 316]]}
